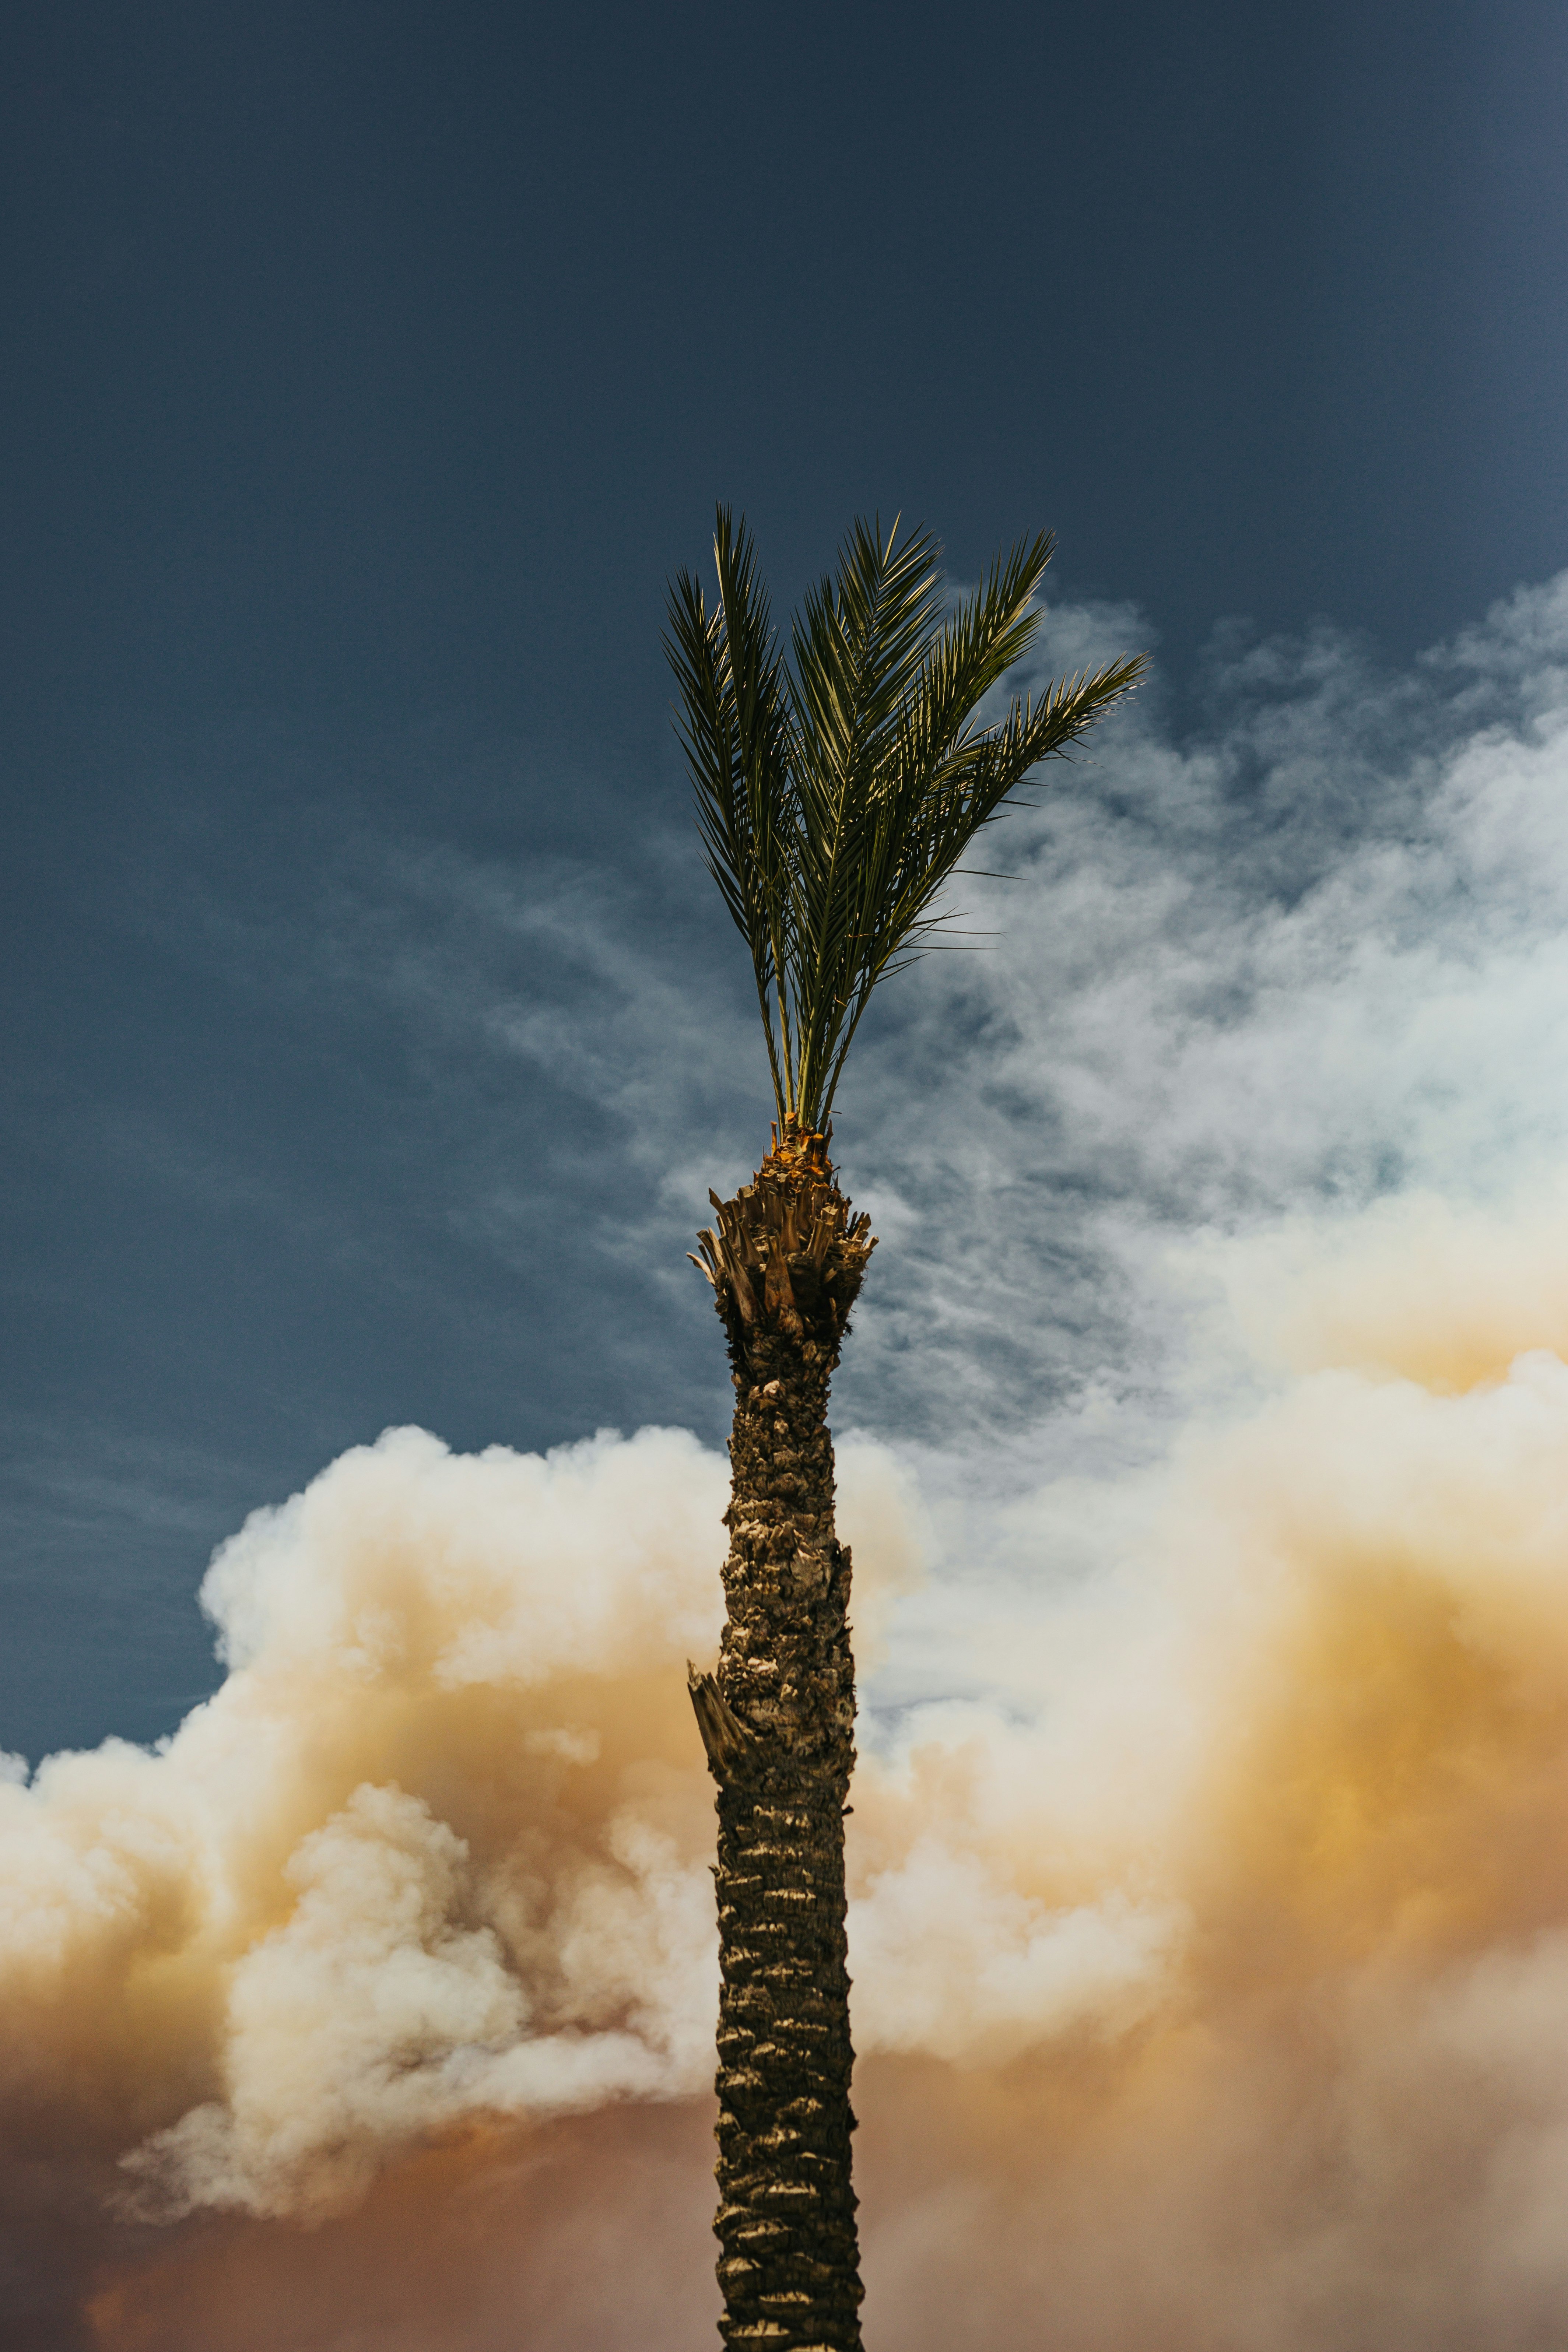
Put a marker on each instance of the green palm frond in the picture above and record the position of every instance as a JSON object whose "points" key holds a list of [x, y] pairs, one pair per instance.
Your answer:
{"points": [[836, 795]]}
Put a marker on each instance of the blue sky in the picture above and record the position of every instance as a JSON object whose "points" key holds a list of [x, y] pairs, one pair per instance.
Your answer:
{"points": [[373, 1034]]}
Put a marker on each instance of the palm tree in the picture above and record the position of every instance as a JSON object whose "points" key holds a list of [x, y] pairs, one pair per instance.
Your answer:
{"points": [[835, 794]]}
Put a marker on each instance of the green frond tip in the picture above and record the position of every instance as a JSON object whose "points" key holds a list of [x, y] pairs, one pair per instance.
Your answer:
{"points": [[837, 789]]}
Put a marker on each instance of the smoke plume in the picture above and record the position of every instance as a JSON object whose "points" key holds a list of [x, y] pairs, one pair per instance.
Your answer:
{"points": [[1211, 1985], [1209, 1889]]}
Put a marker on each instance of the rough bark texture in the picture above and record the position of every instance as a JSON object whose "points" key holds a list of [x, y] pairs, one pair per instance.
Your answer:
{"points": [[786, 1263]]}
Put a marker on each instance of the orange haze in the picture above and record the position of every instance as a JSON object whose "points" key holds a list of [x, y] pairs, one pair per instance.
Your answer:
{"points": [[1211, 1975]]}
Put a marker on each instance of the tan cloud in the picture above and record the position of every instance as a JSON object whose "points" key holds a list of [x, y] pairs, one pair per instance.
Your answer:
{"points": [[1210, 1997]]}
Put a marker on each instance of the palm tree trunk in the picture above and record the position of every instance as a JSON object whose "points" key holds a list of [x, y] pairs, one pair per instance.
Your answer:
{"points": [[785, 1263]]}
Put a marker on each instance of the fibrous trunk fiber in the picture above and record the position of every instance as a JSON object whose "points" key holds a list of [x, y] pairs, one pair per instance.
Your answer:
{"points": [[785, 1263]]}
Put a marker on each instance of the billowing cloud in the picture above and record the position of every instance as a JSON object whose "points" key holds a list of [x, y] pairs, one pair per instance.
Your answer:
{"points": [[1209, 1908], [1206, 1973]]}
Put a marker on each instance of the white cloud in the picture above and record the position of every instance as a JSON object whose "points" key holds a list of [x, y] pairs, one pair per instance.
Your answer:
{"points": [[1207, 1910]]}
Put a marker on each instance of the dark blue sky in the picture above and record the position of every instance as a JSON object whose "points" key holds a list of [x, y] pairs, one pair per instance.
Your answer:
{"points": [[368, 370]]}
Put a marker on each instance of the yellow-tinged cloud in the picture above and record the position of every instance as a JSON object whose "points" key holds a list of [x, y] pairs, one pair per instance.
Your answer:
{"points": [[1214, 1995]]}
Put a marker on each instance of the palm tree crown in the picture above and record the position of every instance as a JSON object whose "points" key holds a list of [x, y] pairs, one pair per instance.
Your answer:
{"points": [[837, 791]]}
